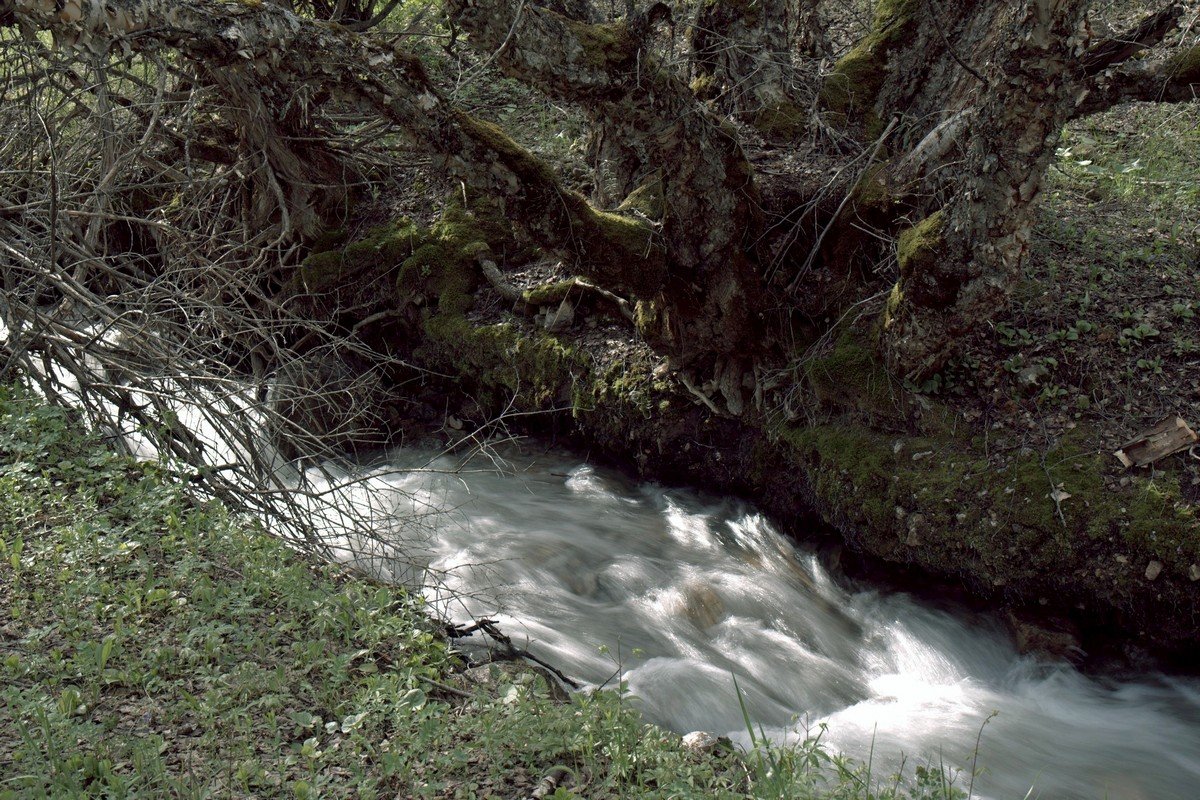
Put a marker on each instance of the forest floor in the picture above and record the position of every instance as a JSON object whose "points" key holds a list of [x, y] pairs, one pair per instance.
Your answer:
{"points": [[1104, 330]]}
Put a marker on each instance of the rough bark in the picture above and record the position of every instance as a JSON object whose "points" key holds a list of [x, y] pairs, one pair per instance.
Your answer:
{"points": [[982, 92], [1114, 78], [741, 54], [973, 95], [579, 10], [707, 311], [1167, 79], [699, 287], [1119, 49], [270, 49]]}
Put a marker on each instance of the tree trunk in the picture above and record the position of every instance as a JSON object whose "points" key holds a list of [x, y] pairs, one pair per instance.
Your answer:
{"points": [[981, 92], [972, 95], [699, 288], [741, 55], [707, 309], [811, 34]]}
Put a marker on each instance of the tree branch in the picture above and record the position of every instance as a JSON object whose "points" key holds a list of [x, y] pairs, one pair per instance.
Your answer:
{"points": [[284, 57], [1118, 49], [1175, 79], [710, 198]]}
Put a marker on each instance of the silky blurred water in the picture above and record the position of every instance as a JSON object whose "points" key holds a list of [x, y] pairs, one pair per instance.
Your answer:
{"points": [[677, 594]]}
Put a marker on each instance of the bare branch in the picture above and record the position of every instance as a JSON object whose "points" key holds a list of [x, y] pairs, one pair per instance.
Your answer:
{"points": [[1118, 49], [1172, 79]]}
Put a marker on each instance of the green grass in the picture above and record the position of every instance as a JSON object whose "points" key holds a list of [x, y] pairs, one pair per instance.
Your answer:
{"points": [[1142, 154], [153, 646]]}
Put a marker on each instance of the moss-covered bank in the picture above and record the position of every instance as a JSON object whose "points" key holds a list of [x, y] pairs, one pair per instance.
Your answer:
{"points": [[1036, 532], [901, 479]]}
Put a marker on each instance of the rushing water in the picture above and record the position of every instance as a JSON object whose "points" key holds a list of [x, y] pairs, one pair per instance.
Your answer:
{"points": [[677, 594]]}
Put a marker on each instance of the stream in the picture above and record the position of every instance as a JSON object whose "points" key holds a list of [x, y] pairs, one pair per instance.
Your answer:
{"points": [[678, 594]]}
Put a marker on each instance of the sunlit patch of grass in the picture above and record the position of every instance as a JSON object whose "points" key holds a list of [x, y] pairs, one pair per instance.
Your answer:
{"points": [[1145, 153]]}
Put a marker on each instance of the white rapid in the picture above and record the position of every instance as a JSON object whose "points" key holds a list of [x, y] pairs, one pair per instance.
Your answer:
{"points": [[677, 595]]}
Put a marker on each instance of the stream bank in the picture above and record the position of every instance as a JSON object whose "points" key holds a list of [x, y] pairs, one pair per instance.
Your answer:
{"points": [[1046, 534], [920, 496]]}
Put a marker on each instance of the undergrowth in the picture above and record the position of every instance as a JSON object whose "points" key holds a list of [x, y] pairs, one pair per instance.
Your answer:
{"points": [[153, 646]]}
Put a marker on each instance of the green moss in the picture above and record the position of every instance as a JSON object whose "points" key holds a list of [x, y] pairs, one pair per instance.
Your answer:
{"points": [[628, 234], [781, 121], [871, 192], [548, 293], [436, 267], [894, 301], [995, 523], [919, 246], [502, 362], [618, 251], [1151, 518], [873, 125], [512, 156], [705, 87], [851, 378], [871, 481], [381, 250], [483, 225], [320, 270], [444, 267], [851, 89], [328, 240], [630, 386], [605, 47], [646, 199], [1185, 67], [647, 319], [438, 272]]}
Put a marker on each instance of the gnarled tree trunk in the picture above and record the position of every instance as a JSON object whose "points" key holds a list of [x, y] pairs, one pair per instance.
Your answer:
{"points": [[706, 310], [742, 57], [972, 95], [978, 95]]}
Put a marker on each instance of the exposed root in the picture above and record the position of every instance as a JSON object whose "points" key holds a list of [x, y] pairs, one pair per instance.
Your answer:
{"points": [[573, 290]]}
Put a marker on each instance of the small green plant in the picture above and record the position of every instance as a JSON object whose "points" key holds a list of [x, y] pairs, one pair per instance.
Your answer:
{"points": [[1182, 346], [1013, 337], [1072, 332], [1151, 365], [932, 385], [1138, 333], [1052, 393]]}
